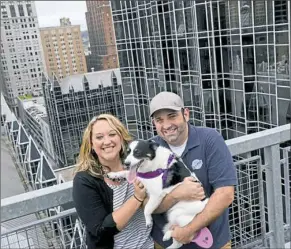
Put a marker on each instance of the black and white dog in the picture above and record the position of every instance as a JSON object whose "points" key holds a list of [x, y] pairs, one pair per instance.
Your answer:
{"points": [[161, 171]]}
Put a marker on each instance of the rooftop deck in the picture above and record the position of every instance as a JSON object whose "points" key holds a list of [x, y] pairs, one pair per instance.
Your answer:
{"points": [[259, 216]]}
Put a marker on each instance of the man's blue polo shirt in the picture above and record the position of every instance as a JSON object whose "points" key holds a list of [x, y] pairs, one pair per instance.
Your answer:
{"points": [[207, 155]]}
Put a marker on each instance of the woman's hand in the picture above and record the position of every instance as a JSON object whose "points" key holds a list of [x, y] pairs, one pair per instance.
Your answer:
{"points": [[123, 214], [189, 190], [139, 190]]}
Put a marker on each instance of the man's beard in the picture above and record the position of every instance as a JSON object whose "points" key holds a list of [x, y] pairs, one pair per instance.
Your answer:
{"points": [[175, 136]]}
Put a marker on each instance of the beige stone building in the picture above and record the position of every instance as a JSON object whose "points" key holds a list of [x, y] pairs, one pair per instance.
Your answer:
{"points": [[63, 50]]}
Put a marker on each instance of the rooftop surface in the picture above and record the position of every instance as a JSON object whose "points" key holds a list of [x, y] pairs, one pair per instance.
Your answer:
{"points": [[67, 173], [9, 174], [12, 185], [60, 27], [95, 79], [23, 97], [35, 106]]}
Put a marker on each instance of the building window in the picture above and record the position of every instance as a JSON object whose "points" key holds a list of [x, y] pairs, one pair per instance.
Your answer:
{"points": [[12, 11], [29, 9], [3, 119], [21, 10]]}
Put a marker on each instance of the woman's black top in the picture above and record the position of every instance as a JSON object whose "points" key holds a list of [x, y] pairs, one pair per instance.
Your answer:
{"points": [[93, 200]]}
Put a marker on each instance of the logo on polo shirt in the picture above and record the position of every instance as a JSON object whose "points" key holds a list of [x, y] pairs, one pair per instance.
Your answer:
{"points": [[196, 164]]}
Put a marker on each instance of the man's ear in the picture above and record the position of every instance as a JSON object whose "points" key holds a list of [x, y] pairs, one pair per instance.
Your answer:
{"points": [[153, 145], [186, 114]]}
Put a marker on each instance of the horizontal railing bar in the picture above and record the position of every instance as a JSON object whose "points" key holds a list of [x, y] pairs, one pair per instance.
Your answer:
{"points": [[35, 201], [257, 241], [41, 221], [259, 140], [250, 159]]}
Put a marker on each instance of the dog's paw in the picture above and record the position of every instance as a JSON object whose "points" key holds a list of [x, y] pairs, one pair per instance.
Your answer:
{"points": [[167, 235], [149, 221]]}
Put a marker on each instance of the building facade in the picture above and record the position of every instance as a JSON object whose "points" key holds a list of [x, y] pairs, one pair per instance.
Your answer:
{"points": [[6, 114], [33, 115], [228, 60], [101, 35], [74, 101], [63, 49], [21, 52], [36, 167]]}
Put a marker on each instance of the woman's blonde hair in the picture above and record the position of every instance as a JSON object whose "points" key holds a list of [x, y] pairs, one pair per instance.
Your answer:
{"points": [[88, 160]]}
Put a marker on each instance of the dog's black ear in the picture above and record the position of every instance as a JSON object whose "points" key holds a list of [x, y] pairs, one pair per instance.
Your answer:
{"points": [[153, 145]]}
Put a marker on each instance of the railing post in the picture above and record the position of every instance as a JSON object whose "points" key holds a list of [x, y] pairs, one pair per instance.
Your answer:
{"points": [[274, 195]]}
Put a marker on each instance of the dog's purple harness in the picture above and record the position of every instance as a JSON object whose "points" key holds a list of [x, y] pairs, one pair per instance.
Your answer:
{"points": [[156, 173]]}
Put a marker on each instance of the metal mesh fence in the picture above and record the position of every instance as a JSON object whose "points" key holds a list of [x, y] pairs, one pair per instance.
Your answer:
{"points": [[60, 231], [248, 214], [286, 190]]}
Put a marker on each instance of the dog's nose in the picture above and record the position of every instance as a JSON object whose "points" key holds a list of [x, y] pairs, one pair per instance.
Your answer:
{"points": [[127, 164]]}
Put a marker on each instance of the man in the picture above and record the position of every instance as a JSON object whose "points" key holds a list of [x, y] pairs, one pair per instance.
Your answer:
{"points": [[204, 152]]}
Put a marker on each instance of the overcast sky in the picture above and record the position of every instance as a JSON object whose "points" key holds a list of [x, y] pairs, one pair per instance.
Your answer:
{"points": [[50, 12]]}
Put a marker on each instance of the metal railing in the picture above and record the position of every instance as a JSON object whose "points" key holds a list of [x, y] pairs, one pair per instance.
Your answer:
{"points": [[259, 216]]}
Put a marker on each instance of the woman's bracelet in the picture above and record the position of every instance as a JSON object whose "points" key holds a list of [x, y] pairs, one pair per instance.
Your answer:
{"points": [[137, 199]]}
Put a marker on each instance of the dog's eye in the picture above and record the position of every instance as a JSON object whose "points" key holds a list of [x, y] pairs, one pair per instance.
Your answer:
{"points": [[128, 151], [136, 151]]}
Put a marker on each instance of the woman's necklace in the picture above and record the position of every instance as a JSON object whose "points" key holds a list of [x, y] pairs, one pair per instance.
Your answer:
{"points": [[117, 180]]}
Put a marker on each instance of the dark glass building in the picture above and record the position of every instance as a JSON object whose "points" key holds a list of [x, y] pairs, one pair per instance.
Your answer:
{"points": [[73, 102], [229, 61]]}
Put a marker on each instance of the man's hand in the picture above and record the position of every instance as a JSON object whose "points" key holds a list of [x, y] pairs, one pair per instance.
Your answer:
{"points": [[183, 234], [189, 190]]}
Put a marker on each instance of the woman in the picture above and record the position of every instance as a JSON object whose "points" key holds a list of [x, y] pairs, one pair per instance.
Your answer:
{"points": [[110, 210]]}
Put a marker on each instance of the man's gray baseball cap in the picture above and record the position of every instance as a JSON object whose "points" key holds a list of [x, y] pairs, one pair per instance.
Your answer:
{"points": [[166, 100]]}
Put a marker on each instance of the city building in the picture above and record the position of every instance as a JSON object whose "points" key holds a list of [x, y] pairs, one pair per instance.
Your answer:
{"points": [[35, 165], [90, 60], [6, 114], [33, 115], [228, 60], [85, 40], [72, 102], [64, 21], [101, 35], [63, 49], [21, 52]]}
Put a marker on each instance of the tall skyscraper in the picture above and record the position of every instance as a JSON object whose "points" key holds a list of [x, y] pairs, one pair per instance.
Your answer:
{"points": [[101, 35], [74, 101], [21, 52], [229, 60], [63, 49]]}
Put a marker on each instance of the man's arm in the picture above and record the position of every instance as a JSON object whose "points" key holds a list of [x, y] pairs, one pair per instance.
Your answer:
{"points": [[188, 190], [222, 178], [218, 202], [169, 201]]}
